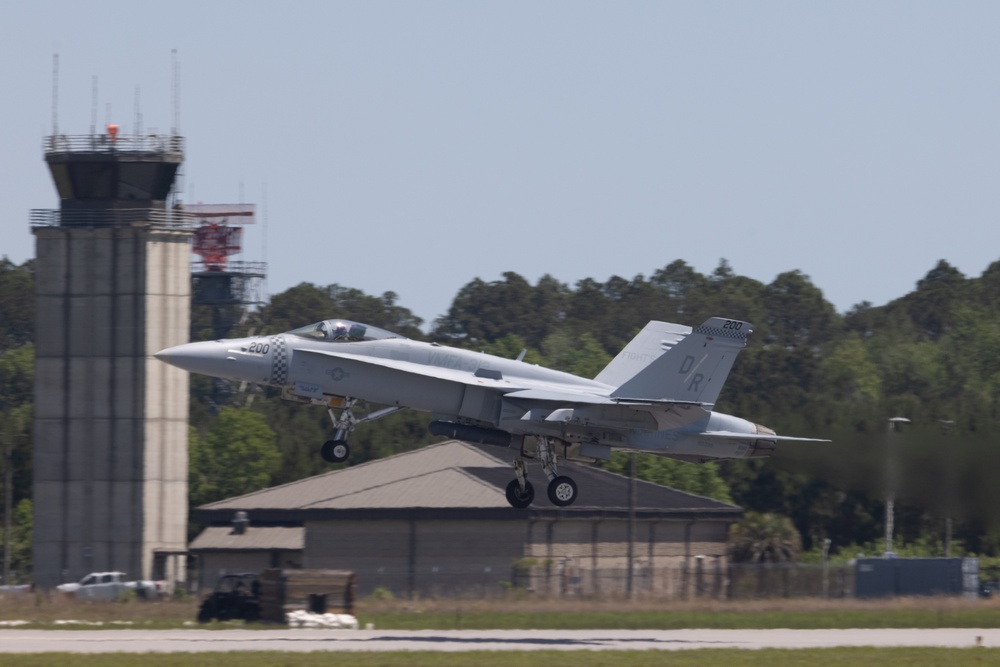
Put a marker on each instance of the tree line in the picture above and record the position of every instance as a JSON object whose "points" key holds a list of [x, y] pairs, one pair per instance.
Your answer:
{"points": [[931, 356]]}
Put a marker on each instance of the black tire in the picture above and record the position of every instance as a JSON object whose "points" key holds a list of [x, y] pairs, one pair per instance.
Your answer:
{"points": [[251, 612], [562, 491], [335, 451], [205, 612], [516, 497]]}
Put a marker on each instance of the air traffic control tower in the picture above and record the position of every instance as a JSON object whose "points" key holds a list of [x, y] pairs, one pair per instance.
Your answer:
{"points": [[113, 287]]}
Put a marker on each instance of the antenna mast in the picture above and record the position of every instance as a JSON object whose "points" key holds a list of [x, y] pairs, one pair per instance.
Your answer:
{"points": [[137, 123], [263, 241], [93, 107], [176, 93], [55, 94]]}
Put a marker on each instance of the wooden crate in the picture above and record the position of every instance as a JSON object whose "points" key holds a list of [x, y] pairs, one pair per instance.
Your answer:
{"points": [[321, 591]]}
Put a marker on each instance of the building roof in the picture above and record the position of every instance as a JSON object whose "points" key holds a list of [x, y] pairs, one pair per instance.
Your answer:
{"points": [[452, 475], [255, 538]]}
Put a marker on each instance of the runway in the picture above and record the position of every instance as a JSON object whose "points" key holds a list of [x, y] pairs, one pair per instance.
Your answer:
{"points": [[193, 641]]}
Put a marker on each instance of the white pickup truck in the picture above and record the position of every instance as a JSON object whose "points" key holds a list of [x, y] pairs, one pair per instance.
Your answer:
{"points": [[111, 586]]}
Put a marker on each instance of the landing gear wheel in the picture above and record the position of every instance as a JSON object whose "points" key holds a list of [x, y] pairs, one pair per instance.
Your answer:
{"points": [[335, 451], [516, 497], [562, 491]]}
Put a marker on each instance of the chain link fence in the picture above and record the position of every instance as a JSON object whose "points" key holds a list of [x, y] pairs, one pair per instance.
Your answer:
{"points": [[706, 579]]}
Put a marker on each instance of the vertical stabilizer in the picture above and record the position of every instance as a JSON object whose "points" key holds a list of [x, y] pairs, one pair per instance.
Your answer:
{"points": [[647, 346], [694, 369]]}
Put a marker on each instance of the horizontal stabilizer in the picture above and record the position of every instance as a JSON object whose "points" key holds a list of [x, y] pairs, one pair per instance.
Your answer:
{"points": [[730, 435], [613, 412], [557, 396]]}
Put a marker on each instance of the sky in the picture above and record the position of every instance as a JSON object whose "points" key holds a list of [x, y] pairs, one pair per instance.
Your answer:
{"points": [[413, 147]]}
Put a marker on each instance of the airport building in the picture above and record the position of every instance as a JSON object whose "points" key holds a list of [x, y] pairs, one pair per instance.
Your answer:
{"points": [[113, 286], [435, 521]]}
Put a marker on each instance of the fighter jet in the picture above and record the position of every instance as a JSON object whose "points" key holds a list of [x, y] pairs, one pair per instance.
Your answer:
{"points": [[656, 396]]}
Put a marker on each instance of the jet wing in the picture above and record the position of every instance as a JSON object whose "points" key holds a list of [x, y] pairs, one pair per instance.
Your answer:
{"points": [[563, 398], [450, 374], [596, 399]]}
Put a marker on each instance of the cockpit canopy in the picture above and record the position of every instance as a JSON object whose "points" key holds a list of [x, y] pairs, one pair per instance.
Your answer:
{"points": [[342, 331]]}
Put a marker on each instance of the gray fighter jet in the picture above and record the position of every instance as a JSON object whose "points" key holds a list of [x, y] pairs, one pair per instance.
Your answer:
{"points": [[656, 396]]}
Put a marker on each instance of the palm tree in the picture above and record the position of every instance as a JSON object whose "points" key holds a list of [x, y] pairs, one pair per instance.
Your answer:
{"points": [[764, 538]]}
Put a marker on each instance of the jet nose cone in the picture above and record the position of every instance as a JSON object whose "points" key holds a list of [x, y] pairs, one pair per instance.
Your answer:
{"points": [[167, 354], [228, 359], [206, 358]]}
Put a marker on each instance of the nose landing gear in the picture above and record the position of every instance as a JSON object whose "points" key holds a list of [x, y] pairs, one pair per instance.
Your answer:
{"points": [[335, 451], [344, 423]]}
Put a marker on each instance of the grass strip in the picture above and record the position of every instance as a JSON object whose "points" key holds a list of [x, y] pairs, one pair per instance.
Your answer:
{"points": [[674, 620], [49, 612]]}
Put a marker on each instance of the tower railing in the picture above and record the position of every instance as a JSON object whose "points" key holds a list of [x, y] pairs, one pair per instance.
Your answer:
{"points": [[114, 217], [106, 143], [245, 269]]}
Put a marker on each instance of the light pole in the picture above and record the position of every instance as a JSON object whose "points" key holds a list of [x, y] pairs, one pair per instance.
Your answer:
{"points": [[891, 481], [826, 568], [947, 425], [8, 483], [630, 583]]}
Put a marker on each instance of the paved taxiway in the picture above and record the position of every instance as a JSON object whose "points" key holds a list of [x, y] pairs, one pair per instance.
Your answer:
{"points": [[181, 641]]}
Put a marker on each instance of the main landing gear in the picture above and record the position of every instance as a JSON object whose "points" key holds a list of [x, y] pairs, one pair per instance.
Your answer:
{"points": [[520, 493], [561, 490], [344, 422]]}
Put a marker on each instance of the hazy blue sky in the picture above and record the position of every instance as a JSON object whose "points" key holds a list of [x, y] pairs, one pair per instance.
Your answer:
{"points": [[415, 146]]}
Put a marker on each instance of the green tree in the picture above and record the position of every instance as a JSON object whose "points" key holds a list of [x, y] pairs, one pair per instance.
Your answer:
{"points": [[969, 355], [583, 356], [17, 303], [17, 373], [930, 307], [510, 347], [237, 455], [381, 311], [849, 374], [727, 294], [307, 303], [700, 479], [683, 285], [797, 312], [483, 312], [20, 543], [764, 538], [296, 307]]}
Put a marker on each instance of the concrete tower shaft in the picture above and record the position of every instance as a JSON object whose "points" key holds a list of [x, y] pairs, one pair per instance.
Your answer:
{"points": [[112, 288]]}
